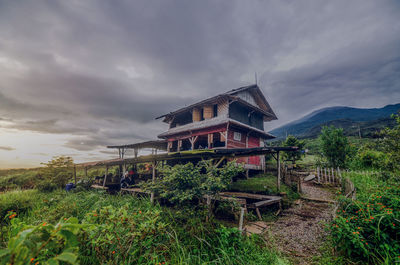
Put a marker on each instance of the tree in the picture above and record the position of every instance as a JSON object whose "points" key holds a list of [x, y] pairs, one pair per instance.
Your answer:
{"points": [[56, 173], [187, 182], [391, 144], [295, 155], [334, 146]]}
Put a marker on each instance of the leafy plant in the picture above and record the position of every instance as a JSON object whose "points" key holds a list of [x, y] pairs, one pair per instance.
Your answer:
{"points": [[187, 182], [334, 146], [391, 144], [41, 244], [55, 174], [368, 229], [295, 155]]}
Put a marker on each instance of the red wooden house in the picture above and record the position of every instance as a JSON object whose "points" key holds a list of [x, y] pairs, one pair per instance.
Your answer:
{"points": [[234, 119]]}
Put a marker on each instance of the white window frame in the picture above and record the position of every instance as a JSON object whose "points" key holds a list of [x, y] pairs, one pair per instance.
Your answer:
{"points": [[237, 136]]}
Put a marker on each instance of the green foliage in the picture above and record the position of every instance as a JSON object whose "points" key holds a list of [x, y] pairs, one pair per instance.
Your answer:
{"points": [[187, 182], [369, 159], [263, 184], [368, 229], [138, 232], [297, 155], [334, 146], [391, 144], [55, 174], [17, 179], [17, 201], [122, 235], [41, 244]]}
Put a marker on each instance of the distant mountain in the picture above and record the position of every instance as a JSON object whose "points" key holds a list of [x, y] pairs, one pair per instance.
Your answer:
{"points": [[352, 120]]}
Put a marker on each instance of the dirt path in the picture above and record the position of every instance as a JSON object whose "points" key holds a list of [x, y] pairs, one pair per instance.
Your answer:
{"points": [[299, 232]]}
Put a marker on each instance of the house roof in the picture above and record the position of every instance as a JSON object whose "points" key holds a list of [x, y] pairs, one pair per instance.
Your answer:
{"points": [[263, 105], [157, 144], [210, 123]]}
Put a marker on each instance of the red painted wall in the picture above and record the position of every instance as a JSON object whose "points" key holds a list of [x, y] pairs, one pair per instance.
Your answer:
{"points": [[254, 142]]}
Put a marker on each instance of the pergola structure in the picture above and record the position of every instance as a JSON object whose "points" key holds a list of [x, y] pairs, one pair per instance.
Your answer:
{"points": [[155, 145], [218, 155]]}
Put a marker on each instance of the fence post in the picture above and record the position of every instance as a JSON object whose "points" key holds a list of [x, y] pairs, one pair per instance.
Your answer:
{"points": [[318, 175], [325, 175], [339, 175], [241, 219]]}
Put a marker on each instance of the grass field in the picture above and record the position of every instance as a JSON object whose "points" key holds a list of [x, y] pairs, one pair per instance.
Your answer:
{"points": [[173, 235]]}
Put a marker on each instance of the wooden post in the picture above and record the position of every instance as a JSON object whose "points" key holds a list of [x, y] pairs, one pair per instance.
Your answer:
{"points": [[329, 175], [325, 175], [318, 175], [241, 219], [208, 207], [333, 175], [339, 175], [179, 145], [278, 181], [105, 177], [153, 179], [75, 174], [299, 189]]}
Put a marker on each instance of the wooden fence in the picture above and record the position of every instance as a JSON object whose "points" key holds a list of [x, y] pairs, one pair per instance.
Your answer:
{"points": [[329, 176]]}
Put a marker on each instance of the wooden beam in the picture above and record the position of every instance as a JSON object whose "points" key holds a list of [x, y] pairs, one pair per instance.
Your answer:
{"points": [[278, 164], [75, 174], [153, 179], [105, 177], [220, 161], [241, 219]]}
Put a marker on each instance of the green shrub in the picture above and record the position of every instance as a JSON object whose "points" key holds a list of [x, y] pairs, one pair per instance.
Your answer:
{"points": [[187, 182], [157, 234], [368, 229], [41, 244], [121, 235]]}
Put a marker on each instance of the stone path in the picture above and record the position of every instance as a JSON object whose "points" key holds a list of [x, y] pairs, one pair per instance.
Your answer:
{"points": [[299, 232]]}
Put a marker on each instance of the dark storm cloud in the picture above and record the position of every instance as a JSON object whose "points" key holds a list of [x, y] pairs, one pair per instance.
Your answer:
{"points": [[101, 71]]}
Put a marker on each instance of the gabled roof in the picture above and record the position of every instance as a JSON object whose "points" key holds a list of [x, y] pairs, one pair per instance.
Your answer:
{"points": [[263, 105]]}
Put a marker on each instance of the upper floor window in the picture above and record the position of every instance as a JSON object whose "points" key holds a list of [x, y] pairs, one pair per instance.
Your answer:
{"points": [[215, 110]]}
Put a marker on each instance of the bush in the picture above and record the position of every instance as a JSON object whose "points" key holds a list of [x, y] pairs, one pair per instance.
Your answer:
{"points": [[122, 236], [187, 182], [41, 244], [156, 234], [368, 229], [56, 173], [46, 185], [334, 146]]}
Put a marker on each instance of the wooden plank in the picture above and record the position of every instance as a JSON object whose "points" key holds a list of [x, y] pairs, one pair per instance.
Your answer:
{"points": [[264, 203], [258, 214], [99, 187], [220, 161], [249, 195]]}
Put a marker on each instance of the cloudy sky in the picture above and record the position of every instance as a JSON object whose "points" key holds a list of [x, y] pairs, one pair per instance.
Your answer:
{"points": [[78, 75]]}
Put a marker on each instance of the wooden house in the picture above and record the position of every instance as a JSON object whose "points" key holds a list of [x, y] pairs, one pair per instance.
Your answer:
{"points": [[234, 119]]}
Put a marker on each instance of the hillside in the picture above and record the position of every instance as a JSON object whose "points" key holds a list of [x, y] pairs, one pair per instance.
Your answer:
{"points": [[350, 119]]}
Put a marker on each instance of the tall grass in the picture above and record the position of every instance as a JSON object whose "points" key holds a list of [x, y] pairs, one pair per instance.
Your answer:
{"points": [[367, 229], [181, 236]]}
